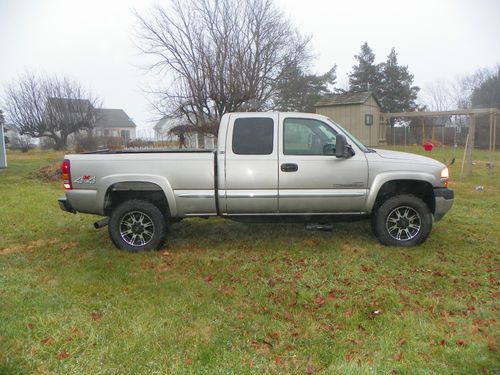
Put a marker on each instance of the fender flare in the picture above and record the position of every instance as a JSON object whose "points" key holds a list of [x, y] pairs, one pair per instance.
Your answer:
{"points": [[382, 178], [160, 181]]}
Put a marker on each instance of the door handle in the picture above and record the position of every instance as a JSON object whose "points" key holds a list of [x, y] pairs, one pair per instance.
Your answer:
{"points": [[289, 167]]}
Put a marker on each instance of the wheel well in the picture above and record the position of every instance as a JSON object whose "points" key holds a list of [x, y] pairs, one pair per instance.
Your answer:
{"points": [[421, 189], [124, 191]]}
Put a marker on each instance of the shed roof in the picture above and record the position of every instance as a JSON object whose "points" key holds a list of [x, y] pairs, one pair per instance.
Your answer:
{"points": [[113, 118], [359, 97]]}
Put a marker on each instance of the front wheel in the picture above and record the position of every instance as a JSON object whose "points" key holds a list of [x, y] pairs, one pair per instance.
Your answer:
{"points": [[402, 220], [137, 225]]}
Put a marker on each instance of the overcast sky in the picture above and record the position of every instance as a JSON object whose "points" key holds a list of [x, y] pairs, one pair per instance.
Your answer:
{"points": [[92, 40]]}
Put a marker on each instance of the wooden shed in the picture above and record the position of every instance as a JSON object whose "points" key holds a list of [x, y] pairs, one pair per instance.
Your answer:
{"points": [[358, 112]]}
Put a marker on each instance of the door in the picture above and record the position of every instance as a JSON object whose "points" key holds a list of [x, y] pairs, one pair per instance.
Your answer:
{"points": [[251, 165], [311, 179]]}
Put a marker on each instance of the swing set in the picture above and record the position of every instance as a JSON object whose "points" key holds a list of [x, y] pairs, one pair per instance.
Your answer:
{"points": [[454, 118]]}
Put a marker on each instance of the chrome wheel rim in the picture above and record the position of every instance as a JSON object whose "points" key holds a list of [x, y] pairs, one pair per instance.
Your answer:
{"points": [[136, 228], [403, 223]]}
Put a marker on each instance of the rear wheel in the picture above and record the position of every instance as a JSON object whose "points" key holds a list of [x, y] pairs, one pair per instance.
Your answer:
{"points": [[137, 225], [402, 220]]}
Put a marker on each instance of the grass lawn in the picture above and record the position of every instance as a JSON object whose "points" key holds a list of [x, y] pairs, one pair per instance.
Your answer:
{"points": [[224, 297]]}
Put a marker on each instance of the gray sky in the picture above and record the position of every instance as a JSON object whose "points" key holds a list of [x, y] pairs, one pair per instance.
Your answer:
{"points": [[92, 40]]}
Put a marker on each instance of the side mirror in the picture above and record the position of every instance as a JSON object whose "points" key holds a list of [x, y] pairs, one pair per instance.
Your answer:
{"points": [[342, 149]]}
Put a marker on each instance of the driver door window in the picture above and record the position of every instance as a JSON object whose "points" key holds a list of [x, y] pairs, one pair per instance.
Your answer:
{"points": [[307, 137]]}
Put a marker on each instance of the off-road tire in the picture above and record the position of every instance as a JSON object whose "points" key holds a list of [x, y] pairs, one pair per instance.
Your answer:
{"points": [[402, 220], [141, 218]]}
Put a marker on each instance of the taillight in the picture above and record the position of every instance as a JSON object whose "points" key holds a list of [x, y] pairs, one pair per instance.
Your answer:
{"points": [[66, 174]]}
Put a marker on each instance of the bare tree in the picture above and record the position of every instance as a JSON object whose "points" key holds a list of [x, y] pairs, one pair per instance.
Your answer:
{"points": [[51, 107], [464, 86], [218, 56], [438, 96]]}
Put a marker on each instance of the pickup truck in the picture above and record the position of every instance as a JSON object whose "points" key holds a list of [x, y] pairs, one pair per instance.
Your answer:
{"points": [[268, 167]]}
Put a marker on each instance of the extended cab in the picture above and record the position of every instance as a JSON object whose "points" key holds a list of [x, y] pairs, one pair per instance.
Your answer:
{"points": [[267, 167]]}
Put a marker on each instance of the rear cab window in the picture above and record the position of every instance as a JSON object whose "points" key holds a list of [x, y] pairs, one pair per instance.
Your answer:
{"points": [[253, 136]]}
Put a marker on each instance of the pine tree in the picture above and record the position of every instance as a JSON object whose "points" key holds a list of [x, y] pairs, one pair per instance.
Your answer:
{"points": [[396, 92], [487, 95], [298, 91], [366, 75]]}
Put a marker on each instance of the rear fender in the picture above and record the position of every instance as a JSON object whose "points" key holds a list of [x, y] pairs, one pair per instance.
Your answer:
{"points": [[162, 182]]}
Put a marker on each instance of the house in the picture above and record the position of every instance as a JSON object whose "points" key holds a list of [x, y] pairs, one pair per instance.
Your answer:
{"points": [[192, 140], [358, 113], [114, 123], [11, 136]]}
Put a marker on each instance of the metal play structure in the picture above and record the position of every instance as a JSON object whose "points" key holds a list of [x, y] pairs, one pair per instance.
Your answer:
{"points": [[455, 116]]}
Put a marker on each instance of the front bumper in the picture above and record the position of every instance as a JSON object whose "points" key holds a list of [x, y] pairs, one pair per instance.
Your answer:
{"points": [[444, 198], [65, 205]]}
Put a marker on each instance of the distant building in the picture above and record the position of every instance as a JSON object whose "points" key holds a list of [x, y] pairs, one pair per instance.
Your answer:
{"points": [[114, 123], [192, 140], [358, 113], [11, 136]]}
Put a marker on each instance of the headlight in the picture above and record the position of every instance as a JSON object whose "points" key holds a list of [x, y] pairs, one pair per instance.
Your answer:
{"points": [[445, 175]]}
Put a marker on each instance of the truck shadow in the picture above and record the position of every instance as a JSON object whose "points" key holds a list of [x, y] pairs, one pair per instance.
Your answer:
{"points": [[204, 234]]}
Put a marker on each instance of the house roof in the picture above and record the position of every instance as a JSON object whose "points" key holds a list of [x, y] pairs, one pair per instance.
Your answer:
{"points": [[347, 98], [113, 118], [64, 104]]}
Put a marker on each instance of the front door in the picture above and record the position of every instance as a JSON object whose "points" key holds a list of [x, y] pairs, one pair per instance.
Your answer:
{"points": [[252, 164], [311, 179]]}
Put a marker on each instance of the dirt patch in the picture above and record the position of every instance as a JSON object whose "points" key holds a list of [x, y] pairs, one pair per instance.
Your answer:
{"points": [[23, 247]]}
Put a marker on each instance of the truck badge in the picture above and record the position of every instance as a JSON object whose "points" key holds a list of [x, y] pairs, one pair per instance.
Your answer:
{"points": [[85, 180]]}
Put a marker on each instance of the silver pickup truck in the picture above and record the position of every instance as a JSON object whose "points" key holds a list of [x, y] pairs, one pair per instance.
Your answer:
{"points": [[267, 167]]}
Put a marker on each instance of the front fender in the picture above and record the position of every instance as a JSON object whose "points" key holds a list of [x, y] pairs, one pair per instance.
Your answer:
{"points": [[382, 178], [106, 182]]}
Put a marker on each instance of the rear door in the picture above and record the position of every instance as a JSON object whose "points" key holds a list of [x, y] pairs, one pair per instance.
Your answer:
{"points": [[251, 161], [311, 179]]}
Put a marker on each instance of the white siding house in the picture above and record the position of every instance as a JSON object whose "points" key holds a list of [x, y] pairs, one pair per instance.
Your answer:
{"points": [[193, 140]]}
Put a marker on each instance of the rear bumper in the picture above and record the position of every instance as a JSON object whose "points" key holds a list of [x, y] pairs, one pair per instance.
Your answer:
{"points": [[65, 206], [444, 200]]}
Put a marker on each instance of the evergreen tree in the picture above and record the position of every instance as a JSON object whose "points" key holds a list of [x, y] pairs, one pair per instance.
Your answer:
{"points": [[298, 91], [487, 95], [366, 75], [396, 92]]}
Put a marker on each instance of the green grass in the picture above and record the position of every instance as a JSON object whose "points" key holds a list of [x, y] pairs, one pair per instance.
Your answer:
{"points": [[224, 297]]}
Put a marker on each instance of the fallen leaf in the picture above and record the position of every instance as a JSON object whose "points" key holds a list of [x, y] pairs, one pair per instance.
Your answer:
{"points": [[370, 361], [47, 341], [348, 313], [30, 325], [461, 342], [271, 283], [442, 342], [97, 316], [63, 355], [278, 360], [402, 341], [274, 335], [398, 356], [188, 361], [320, 301], [311, 369], [287, 315], [208, 278]]}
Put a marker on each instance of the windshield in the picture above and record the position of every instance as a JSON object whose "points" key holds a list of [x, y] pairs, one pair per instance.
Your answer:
{"points": [[351, 137]]}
